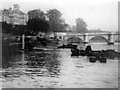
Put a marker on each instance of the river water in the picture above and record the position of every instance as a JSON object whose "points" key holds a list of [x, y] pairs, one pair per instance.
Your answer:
{"points": [[55, 68]]}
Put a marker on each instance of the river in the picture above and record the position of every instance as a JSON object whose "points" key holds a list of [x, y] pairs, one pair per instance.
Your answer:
{"points": [[55, 68]]}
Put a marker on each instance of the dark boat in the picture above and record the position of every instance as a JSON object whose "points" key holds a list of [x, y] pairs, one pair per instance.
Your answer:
{"points": [[92, 55], [75, 51]]}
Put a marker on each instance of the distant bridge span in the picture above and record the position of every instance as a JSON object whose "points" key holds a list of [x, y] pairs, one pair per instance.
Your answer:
{"points": [[86, 37]]}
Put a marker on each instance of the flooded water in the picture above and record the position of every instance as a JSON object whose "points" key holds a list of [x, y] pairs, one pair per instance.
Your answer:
{"points": [[55, 68]]}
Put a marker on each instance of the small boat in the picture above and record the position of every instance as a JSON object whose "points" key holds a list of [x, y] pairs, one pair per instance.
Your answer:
{"points": [[75, 51], [100, 56]]}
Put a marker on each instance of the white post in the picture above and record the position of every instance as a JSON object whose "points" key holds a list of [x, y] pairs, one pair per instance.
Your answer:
{"points": [[23, 41]]}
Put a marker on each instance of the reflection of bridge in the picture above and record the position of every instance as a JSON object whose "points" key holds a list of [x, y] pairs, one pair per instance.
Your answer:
{"points": [[110, 38]]}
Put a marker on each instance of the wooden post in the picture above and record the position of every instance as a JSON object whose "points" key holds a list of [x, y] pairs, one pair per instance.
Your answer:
{"points": [[23, 41]]}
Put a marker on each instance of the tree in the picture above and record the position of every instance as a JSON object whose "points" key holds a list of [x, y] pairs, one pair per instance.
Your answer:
{"points": [[57, 24], [37, 25], [74, 28], [37, 13], [18, 30], [81, 26], [37, 22], [6, 28], [54, 14], [65, 27]]}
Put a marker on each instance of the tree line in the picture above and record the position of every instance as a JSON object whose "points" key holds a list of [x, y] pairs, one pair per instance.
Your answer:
{"points": [[39, 21]]}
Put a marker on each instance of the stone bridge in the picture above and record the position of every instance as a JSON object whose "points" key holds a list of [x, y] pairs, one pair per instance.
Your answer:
{"points": [[110, 38]]}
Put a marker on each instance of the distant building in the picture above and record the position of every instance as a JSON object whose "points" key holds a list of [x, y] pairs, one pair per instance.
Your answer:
{"points": [[15, 16]]}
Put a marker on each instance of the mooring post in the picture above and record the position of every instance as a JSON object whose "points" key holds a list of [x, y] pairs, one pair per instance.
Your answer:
{"points": [[23, 41]]}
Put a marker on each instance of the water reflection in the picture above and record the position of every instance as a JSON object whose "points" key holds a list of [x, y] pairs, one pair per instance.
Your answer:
{"points": [[35, 62], [9, 53]]}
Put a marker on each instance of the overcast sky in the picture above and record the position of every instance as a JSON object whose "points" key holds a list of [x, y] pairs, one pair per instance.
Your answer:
{"points": [[98, 14]]}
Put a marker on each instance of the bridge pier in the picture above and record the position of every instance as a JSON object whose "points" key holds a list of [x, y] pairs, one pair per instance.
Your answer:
{"points": [[111, 39], [85, 38]]}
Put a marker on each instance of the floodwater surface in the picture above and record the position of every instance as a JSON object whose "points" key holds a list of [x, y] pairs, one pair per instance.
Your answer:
{"points": [[55, 68]]}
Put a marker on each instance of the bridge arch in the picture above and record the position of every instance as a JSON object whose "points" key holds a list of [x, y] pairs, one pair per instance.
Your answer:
{"points": [[86, 37], [74, 39], [98, 39]]}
